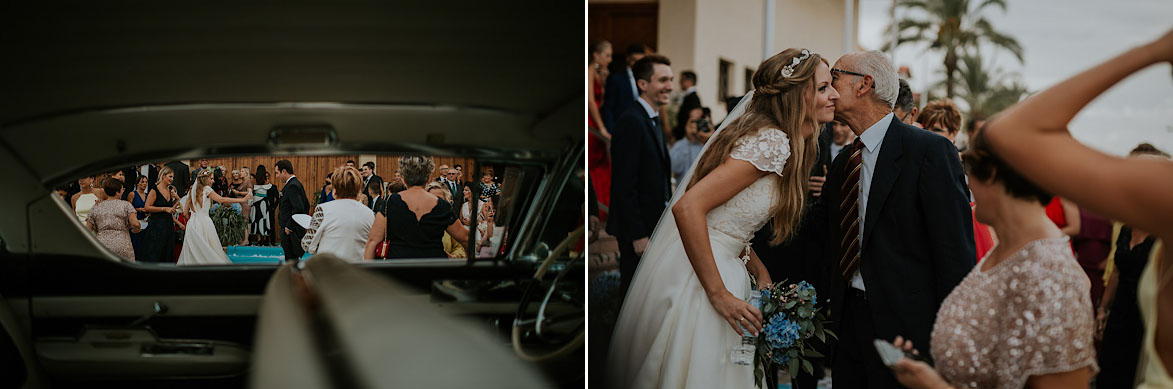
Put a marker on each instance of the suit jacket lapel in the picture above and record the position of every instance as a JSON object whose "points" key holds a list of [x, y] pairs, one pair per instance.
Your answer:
{"points": [[887, 169], [657, 137]]}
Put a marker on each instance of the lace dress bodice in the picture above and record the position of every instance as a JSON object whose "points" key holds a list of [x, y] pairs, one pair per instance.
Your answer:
{"points": [[748, 210]]}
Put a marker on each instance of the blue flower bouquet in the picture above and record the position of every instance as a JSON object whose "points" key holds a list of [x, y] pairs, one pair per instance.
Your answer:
{"points": [[790, 318]]}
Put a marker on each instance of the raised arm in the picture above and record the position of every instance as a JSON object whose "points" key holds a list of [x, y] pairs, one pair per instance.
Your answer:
{"points": [[224, 200], [1033, 137]]}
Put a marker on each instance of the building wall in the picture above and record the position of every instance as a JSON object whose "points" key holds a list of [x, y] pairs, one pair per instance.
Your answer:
{"points": [[820, 27], [729, 30], [697, 34]]}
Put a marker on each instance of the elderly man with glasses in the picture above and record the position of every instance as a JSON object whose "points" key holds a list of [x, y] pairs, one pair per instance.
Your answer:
{"points": [[899, 233]]}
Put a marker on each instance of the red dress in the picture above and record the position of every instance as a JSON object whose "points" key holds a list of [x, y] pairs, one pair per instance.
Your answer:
{"points": [[1055, 213], [981, 236], [599, 158]]}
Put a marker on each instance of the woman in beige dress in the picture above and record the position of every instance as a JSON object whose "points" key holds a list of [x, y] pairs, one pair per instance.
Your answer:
{"points": [[1023, 315], [114, 220], [1033, 137]]}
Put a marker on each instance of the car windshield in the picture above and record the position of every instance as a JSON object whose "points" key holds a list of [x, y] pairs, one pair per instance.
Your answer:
{"points": [[266, 209]]}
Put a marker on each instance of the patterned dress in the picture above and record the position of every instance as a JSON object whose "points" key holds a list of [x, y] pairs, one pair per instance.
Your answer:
{"points": [[112, 220], [1029, 315]]}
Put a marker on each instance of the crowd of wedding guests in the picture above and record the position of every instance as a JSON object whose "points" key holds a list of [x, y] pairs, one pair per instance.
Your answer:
{"points": [[1050, 293], [141, 218]]}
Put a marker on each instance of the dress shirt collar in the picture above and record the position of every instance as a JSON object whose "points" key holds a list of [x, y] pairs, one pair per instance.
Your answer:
{"points": [[874, 135], [290, 178], [647, 107]]}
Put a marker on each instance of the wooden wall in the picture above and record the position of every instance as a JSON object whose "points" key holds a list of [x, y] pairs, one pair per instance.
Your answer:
{"points": [[385, 166], [312, 170]]}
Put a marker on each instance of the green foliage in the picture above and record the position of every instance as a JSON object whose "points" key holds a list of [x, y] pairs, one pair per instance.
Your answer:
{"points": [[229, 224], [953, 28], [984, 90], [794, 303]]}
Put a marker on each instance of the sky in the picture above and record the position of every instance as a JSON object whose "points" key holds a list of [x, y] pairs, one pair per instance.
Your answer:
{"points": [[1060, 39]]}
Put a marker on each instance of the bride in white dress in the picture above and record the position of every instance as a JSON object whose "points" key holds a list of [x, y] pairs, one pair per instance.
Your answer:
{"points": [[201, 245], [679, 320]]}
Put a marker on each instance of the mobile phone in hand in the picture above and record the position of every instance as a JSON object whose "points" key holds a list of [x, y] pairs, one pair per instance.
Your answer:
{"points": [[890, 354]]}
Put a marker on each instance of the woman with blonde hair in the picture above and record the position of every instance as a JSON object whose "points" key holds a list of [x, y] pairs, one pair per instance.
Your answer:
{"points": [[414, 221], [686, 303], [341, 227], [160, 235], [201, 244]]}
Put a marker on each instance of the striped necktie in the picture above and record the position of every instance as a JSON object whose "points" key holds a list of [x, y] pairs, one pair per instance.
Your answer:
{"points": [[849, 221]]}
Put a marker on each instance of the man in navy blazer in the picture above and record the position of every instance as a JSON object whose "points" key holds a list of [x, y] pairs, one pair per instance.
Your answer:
{"points": [[893, 262], [640, 177], [621, 89]]}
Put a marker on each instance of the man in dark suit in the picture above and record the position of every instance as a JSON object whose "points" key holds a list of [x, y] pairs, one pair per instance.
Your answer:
{"points": [[452, 182], [621, 89], [689, 102], [639, 182], [182, 175], [903, 237], [293, 201], [801, 257], [368, 176], [377, 201]]}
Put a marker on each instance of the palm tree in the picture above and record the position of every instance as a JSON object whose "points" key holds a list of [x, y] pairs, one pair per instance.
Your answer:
{"points": [[987, 91], [954, 28]]}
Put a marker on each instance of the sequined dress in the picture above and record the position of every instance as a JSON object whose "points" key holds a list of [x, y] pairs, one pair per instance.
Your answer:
{"points": [[668, 334], [1029, 315], [112, 219]]}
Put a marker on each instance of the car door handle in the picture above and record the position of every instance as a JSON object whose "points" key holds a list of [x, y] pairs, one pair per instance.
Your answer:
{"points": [[176, 349]]}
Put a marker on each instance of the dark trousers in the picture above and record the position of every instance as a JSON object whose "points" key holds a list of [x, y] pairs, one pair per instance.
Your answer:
{"points": [[291, 244], [857, 363], [628, 261]]}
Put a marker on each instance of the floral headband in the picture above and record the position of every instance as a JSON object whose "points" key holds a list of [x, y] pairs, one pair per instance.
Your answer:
{"points": [[788, 70]]}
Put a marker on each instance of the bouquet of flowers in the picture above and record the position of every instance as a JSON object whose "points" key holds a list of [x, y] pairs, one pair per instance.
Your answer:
{"points": [[789, 319]]}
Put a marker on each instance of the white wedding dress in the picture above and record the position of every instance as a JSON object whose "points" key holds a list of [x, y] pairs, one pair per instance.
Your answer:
{"points": [[201, 245], [668, 335]]}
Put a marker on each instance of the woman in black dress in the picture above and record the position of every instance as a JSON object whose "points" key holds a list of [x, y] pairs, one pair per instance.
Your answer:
{"points": [[1119, 311], [414, 221], [159, 239], [1124, 331]]}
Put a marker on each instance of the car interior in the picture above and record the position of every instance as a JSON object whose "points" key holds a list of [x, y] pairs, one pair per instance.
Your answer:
{"points": [[100, 87]]}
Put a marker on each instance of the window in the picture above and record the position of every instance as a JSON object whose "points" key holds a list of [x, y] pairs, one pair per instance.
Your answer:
{"points": [[748, 79], [242, 209], [724, 67]]}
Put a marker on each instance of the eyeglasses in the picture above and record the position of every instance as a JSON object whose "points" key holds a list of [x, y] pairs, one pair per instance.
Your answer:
{"points": [[833, 70]]}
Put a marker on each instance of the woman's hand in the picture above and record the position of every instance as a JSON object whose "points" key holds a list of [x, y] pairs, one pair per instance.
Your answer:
{"points": [[736, 310], [764, 281], [915, 374], [1101, 322]]}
